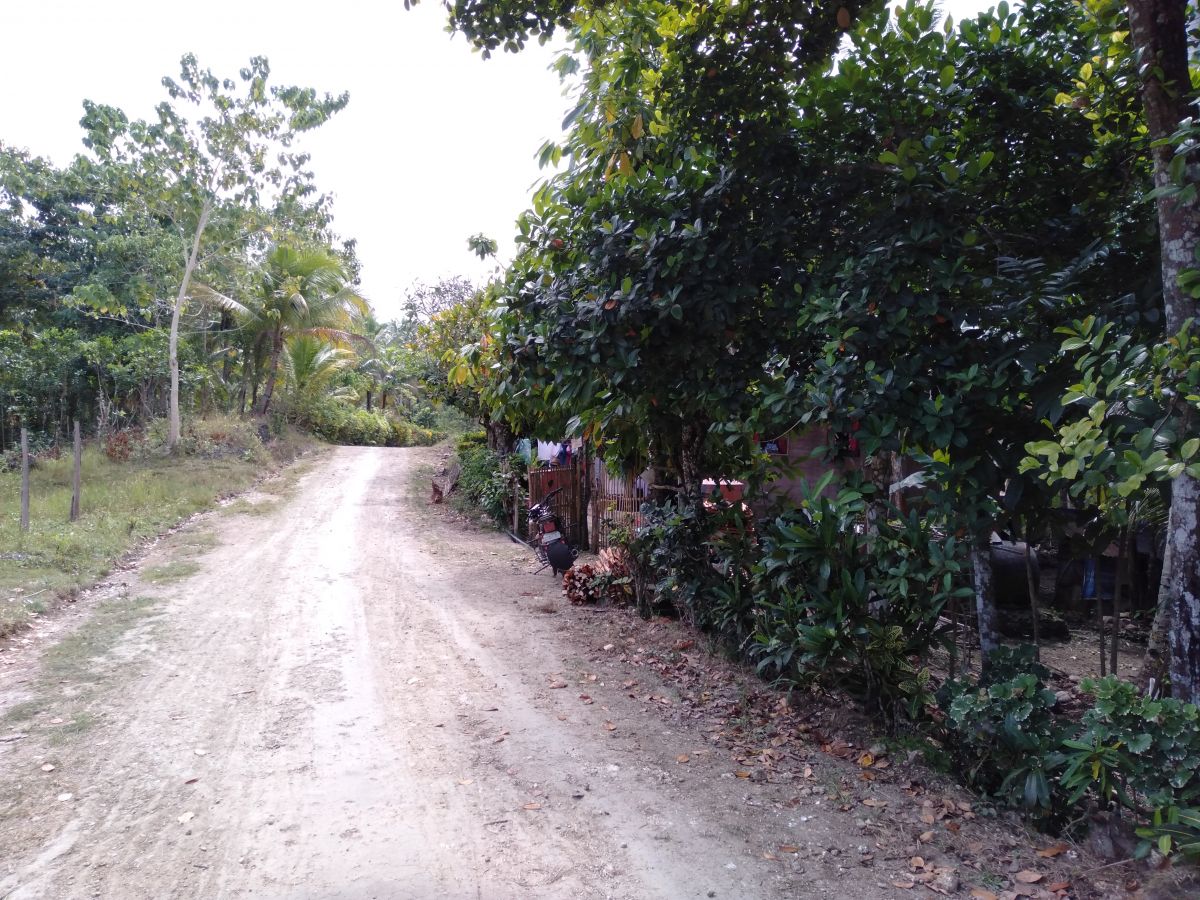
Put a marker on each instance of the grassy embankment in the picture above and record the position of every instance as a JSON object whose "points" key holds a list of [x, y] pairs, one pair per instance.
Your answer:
{"points": [[124, 502]]}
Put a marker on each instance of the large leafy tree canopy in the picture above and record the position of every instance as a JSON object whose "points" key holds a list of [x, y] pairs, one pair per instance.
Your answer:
{"points": [[886, 244]]}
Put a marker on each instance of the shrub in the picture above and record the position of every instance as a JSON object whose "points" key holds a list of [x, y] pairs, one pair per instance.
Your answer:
{"points": [[484, 483], [471, 440], [339, 423], [836, 602], [1141, 752], [1002, 735]]}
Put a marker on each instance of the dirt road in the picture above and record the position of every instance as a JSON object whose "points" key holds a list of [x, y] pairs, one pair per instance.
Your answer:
{"points": [[340, 694]]}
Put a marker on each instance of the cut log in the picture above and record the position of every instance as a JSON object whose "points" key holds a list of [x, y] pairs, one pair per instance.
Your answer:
{"points": [[444, 482]]}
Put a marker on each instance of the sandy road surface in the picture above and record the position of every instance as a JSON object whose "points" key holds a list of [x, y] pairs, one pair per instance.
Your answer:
{"points": [[350, 698]]}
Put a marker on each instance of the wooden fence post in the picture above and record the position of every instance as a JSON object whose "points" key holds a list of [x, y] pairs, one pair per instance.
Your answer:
{"points": [[24, 479], [76, 476]]}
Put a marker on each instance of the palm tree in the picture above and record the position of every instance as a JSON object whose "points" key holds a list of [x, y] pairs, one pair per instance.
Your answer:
{"points": [[310, 364], [299, 291]]}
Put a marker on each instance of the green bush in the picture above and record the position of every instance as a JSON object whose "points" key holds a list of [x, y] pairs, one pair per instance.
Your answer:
{"points": [[1002, 734], [339, 423], [470, 440], [484, 483], [835, 602]]}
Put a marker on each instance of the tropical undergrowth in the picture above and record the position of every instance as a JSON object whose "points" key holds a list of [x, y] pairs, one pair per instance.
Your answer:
{"points": [[840, 593], [486, 482], [339, 423]]}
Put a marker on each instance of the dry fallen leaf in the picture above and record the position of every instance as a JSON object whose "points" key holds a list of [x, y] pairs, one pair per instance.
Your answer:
{"points": [[532, 806], [1059, 886], [465, 781], [47, 768], [926, 837], [904, 883], [186, 817], [682, 758], [788, 848], [742, 773], [917, 862], [866, 760], [557, 684], [871, 801], [609, 726], [1028, 876], [983, 894], [1055, 850]]}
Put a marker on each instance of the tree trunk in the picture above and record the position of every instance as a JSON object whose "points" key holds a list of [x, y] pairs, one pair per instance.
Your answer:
{"points": [[24, 479], [985, 594], [1158, 29], [691, 448], [368, 400], [272, 372], [499, 437], [173, 427], [1034, 592], [1118, 582], [77, 475]]}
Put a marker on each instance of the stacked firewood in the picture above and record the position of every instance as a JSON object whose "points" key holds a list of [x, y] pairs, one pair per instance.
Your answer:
{"points": [[605, 581]]}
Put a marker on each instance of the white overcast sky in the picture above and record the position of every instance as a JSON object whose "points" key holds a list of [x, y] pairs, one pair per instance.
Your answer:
{"points": [[437, 144]]}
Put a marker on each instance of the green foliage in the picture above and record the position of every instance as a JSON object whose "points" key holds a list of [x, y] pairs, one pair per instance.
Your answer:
{"points": [[486, 482], [1144, 752], [1004, 739], [1137, 400], [1130, 750], [840, 603], [470, 440], [339, 423]]}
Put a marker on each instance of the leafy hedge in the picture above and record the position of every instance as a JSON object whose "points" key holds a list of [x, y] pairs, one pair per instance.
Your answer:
{"points": [[816, 595], [341, 424]]}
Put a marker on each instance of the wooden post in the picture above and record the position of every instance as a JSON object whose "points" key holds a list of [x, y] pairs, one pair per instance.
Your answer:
{"points": [[76, 475], [24, 479], [516, 505]]}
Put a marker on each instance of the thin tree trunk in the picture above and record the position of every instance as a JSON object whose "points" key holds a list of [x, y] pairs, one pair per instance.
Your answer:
{"points": [[24, 479], [1118, 581], [1158, 29], [1099, 600], [173, 427], [272, 373], [77, 476], [985, 594], [1034, 592]]}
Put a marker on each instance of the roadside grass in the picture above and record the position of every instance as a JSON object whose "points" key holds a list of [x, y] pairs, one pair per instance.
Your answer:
{"points": [[123, 504], [81, 659], [172, 571]]}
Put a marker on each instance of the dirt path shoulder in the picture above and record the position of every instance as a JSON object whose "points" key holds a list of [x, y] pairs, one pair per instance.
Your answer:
{"points": [[346, 696]]}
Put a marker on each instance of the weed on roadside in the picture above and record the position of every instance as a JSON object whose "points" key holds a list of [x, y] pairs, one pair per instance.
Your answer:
{"points": [[172, 571]]}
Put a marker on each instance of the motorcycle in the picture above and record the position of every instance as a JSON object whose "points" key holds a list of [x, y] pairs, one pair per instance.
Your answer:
{"points": [[547, 537]]}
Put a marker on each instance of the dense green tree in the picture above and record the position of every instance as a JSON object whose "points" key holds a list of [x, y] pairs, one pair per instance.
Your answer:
{"points": [[232, 155]]}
